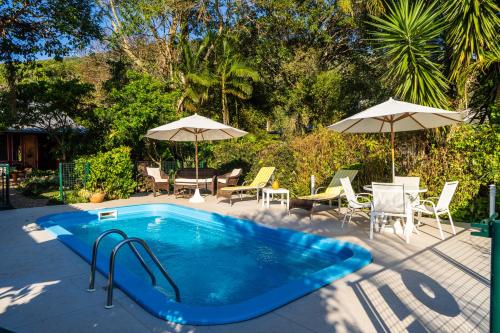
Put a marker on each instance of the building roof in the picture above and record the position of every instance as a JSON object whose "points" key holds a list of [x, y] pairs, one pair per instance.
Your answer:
{"points": [[39, 126]]}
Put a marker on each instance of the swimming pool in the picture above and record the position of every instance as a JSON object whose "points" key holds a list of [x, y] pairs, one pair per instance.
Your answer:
{"points": [[227, 269]]}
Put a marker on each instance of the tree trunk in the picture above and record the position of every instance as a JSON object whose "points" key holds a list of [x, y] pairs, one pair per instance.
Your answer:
{"points": [[225, 112], [11, 69]]}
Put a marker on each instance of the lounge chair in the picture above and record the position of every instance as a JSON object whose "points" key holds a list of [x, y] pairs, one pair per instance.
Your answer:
{"points": [[259, 182], [334, 190]]}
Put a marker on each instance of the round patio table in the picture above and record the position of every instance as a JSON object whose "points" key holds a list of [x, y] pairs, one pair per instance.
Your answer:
{"points": [[408, 189]]}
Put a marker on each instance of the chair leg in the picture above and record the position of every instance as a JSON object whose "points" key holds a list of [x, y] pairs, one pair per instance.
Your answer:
{"points": [[439, 225], [350, 215], [372, 223], [451, 222], [345, 217]]}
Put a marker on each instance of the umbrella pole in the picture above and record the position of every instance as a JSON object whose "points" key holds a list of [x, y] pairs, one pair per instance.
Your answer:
{"points": [[392, 153], [196, 198], [196, 157]]}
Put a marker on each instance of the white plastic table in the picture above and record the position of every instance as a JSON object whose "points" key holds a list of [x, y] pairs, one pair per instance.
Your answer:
{"points": [[268, 192], [408, 189]]}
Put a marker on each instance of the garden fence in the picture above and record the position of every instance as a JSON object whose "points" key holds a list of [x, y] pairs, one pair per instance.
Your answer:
{"points": [[70, 179], [4, 186]]}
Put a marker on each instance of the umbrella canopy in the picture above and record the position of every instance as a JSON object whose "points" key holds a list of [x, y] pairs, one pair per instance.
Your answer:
{"points": [[195, 128], [396, 116]]}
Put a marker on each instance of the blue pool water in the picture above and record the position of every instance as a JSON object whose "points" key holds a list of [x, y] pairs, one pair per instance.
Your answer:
{"points": [[227, 269]]}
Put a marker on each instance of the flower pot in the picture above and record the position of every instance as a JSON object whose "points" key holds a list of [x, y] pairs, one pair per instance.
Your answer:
{"points": [[97, 197]]}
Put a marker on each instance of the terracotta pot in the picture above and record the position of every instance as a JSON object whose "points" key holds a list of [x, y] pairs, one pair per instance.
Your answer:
{"points": [[97, 197]]}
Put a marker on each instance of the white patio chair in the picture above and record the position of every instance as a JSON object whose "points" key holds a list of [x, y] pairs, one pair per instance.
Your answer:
{"points": [[353, 203], [410, 182], [389, 200], [428, 206]]}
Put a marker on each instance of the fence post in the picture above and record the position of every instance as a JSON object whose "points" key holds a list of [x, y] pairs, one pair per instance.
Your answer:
{"points": [[86, 174], [313, 184], [7, 185], [493, 193], [495, 278], [491, 228], [61, 190]]}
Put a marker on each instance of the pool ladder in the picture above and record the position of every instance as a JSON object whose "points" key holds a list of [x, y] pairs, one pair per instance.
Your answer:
{"points": [[126, 241]]}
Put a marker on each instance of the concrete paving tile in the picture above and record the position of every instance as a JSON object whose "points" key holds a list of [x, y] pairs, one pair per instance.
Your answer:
{"points": [[89, 319], [153, 323], [329, 309], [268, 323], [28, 300]]}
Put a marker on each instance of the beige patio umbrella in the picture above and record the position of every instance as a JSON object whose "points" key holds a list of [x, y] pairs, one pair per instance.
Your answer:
{"points": [[396, 116], [195, 128]]}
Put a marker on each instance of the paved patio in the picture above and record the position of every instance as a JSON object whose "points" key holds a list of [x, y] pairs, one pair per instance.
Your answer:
{"points": [[429, 285]]}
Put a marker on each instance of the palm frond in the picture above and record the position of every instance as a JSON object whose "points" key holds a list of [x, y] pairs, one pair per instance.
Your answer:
{"points": [[407, 35]]}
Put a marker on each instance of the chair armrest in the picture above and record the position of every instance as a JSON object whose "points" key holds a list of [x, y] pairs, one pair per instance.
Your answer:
{"points": [[319, 188], [365, 196], [244, 183], [428, 201]]}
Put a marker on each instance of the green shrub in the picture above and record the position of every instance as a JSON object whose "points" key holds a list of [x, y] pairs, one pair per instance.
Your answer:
{"points": [[38, 182], [471, 155], [111, 172], [240, 153]]}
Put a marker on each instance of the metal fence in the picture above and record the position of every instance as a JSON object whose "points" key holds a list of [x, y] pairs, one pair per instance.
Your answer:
{"points": [[4, 186], [71, 179]]}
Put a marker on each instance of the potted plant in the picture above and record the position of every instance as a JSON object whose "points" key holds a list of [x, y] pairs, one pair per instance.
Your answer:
{"points": [[97, 196]]}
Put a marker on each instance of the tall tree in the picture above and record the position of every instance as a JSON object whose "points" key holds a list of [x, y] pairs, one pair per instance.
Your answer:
{"points": [[233, 77], [408, 36], [193, 75], [44, 27], [151, 32]]}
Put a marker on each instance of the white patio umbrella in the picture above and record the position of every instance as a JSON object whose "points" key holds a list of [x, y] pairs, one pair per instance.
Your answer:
{"points": [[396, 116], [194, 128]]}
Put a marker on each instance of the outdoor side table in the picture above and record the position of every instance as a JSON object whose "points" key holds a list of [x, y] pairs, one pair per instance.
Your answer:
{"points": [[268, 193]]}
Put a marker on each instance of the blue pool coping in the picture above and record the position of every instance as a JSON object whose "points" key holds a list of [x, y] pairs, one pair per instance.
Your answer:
{"points": [[162, 307]]}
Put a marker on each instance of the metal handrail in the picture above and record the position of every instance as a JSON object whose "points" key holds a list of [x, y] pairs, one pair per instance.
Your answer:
{"points": [[132, 247], [112, 259]]}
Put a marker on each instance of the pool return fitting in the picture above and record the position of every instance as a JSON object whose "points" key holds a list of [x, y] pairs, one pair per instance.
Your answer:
{"points": [[126, 241]]}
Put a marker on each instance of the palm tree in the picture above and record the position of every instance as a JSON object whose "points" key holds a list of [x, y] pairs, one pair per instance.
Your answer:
{"points": [[408, 35], [473, 31], [233, 78], [193, 76]]}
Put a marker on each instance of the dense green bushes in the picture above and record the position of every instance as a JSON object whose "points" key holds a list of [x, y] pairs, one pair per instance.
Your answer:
{"points": [[111, 172], [39, 182], [469, 154]]}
